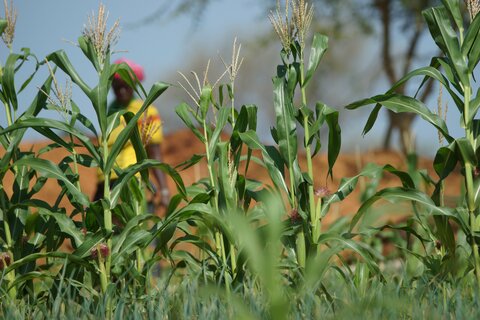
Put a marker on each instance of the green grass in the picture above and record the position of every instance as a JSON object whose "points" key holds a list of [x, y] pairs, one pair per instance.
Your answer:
{"points": [[190, 298]]}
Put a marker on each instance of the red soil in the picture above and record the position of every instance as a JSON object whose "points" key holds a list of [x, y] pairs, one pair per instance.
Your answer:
{"points": [[180, 146]]}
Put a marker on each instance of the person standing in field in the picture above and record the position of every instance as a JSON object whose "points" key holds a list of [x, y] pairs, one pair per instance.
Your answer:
{"points": [[149, 126]]}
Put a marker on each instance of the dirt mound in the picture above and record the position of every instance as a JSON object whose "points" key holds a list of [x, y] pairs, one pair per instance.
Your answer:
{"points": [[180, 146]]}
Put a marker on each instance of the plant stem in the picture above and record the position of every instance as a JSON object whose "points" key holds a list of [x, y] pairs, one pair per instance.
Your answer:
{"points": [[9, 114], [232, 85], [318, 222], [103, 274], [107, 220], [77, 182], [311, 200], [137, 207], [8, 239], [469, 183], [301, 248], [104, 285], [233, 260], [107, 213], [219, 244]]}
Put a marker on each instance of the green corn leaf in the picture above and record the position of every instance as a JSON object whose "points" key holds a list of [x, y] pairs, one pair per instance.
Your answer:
{"points": [[37, 187], [470, 41], [319, 265], [202, 197], [347, 185], [334, 137], [157, 89], [8, 80], [326, 238], [474, 106], [445, 37], [21, 183], [88, 50], [50, 134], [137, 238], [252, 125], [453, 7], [65, 224], [404, 177], [25, 278], [50, 170], [204, 210], [183, 110], [445, 161], [113, 120], [405, 194], [90, 243], [81, 159], [196, 158], [51, 255], [285, 120], [26, 55], [230, 91], [227, 183], [241, 124], [19, 218], [165, 236], [445, 233], [220, 94], [476, 192], [86, 123], [371, 119], [252, 116], [407, 229], [98, 97], [433, 73], [199, 243], [137, 143], [60, 58], [275, 155], [319, 47], [250, 138], [40, 99], [452, 78], [400, 103], [127, 75], [40, 123], [3, 25], [221, 121], [314, 124], [205, 98], [143, 165], [466, 151], [242, 120], [471, 44], [292, 79]]}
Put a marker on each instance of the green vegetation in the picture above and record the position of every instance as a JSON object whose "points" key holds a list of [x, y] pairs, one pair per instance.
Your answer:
{"points": [[260, 249]]}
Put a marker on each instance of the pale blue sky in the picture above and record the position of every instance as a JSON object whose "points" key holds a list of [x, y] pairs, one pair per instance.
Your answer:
{"points": [[162, 47]]}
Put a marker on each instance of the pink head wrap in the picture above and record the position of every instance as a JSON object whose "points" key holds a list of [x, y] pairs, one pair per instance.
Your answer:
{"points": [[137, 69]]}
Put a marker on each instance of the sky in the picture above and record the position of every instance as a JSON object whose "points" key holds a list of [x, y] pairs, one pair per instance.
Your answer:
{"points": [[161, 46]]}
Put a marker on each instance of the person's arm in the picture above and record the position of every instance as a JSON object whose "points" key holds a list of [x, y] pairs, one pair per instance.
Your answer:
{"points": [[154, 152]]}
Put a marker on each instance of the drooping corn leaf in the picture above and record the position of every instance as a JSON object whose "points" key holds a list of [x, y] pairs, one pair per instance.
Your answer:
{"points": [[319, 47], [400, 103]]}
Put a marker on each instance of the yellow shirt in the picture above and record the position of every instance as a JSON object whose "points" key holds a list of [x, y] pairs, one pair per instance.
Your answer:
{"points": [[150, 128]]}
